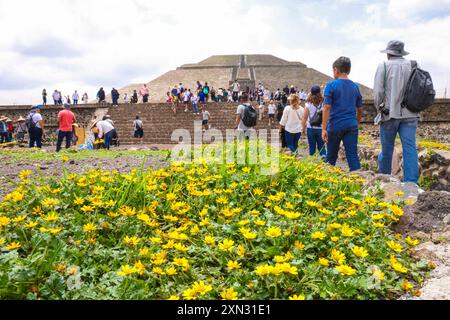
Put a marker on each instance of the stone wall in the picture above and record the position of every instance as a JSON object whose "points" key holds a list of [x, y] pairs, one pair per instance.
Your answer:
{"points": [[85, 113]]}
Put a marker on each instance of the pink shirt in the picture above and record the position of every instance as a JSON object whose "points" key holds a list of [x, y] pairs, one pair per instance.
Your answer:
{"points": [[144, 91]]}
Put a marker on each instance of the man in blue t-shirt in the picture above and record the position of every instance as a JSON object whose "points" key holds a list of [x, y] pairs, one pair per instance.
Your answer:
{"points": [[342, 114]]}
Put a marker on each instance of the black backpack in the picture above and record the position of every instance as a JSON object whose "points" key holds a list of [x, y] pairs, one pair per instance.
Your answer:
{"points": [[419, 93], [250, 116], [29, 123], [316, 121]]}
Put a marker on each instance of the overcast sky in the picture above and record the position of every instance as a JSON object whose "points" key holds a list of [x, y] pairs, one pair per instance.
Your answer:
{"points": [[71, 44]]}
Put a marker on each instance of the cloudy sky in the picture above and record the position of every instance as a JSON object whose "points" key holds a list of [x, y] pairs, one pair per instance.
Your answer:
{"points": [[81, 44]]}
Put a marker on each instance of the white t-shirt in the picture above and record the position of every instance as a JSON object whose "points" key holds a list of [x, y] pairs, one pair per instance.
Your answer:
{"points": [[312, 111], [186, 96], [138, 124], [236, 87], [194, 99], [272, 109], [75, 96], [292, 119], [205, 115], [104, 127], [36, 117]]}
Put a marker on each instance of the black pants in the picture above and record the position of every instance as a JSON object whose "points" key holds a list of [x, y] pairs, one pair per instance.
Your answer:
{"points": [[44, 100], [145, 99], [61, 136], [35, 137], [4, 137], [283, 138], [235, 96]]}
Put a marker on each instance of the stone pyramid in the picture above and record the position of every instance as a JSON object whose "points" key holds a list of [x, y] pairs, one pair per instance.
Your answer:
{"points": [[221, 70]]}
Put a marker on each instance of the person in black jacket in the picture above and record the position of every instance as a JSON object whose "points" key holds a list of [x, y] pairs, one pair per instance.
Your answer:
{"points": [[115, 97], [101, 96]]}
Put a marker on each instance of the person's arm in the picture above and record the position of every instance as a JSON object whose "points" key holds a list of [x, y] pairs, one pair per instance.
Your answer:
{"points": [[359, 115], [284, 118], [100, 131], [378, 87], [325, 117], [238, 119], [304, 120]]}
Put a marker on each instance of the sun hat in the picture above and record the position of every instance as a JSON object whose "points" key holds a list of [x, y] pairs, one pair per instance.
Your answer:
{"points": [[94, 123], [21, 119], [315, 89], [35, 107], [8, 120], [395, 48], [3, 118]]}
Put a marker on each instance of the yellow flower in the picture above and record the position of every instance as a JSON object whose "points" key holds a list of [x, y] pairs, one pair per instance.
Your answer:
{"points": [[260, 223], [241, 250], [19, 219], [159, 271], [209, 240], [233, 265], [173, 297], [90, 227], [50, 203], [360, 252], [226, 245], [4, 221], [378, 274], [399, 193], [325, 211], [258, 192], [171, 271], [125, 271], [51, 216], [250, 235], [318, 235], [334, 239], [297, 297], [346, 270], [13, 246], [190, 294], [347, 231], [412, 242], [397, 247], [139, 267], [229, 294], [201, 288], [131, 241], [78, 201], [273, 232], [396, 265], [338, 256], [406, 285], [87, 209], [298, 245], [2, 241], [324, 262], [181, 262]]}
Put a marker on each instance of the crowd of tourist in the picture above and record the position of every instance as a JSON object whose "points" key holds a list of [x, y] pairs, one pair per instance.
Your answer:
{"points": [[326, 116]]}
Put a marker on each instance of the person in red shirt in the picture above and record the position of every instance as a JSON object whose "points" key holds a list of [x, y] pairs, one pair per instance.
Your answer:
{"points": [[66, 119]]}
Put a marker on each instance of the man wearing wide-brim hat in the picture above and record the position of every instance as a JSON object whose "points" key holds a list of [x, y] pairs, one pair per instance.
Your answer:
{"points": [[390, 84], [35, 127], [21, 129]]}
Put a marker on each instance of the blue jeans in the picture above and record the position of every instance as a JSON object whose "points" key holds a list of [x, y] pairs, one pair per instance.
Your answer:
{"points": [[316, 142], [350, 138], [195, 107], [35, 137], [292, 140], [108, 138], [61, 136], [406, 128]]}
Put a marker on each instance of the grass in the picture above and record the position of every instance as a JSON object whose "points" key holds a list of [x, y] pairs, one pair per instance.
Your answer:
{"points": [[14, 155]]}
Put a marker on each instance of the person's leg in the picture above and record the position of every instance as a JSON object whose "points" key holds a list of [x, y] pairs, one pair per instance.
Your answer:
{"points": [[60, 140], [108, 140], [388, 132], [311, 142], [334, 143], [407, 131], [320, 143], [297, 137], [39, 138], [290, 140], [68, 139], [351, 148]]}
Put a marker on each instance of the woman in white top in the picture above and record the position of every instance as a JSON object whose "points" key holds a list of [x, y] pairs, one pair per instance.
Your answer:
{"points": [[314, 103], [292, 122]]}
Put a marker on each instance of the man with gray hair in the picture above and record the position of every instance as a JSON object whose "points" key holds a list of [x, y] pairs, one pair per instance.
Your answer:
{"points": [[389, 89]]}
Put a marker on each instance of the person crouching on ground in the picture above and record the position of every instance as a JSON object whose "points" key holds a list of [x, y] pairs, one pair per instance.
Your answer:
{"points": [[312, 122], [66, 119], [106, 131], [21, 130], [341, 115], [292, 123]]}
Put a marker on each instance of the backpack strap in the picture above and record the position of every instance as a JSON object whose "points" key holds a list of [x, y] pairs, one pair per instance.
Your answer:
{"points": [[413, 64]]}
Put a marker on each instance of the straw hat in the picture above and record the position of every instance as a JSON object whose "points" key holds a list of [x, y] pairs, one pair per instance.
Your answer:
{"points": [[3, 118], [21, 119], [8, 120], [94, 123]]}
